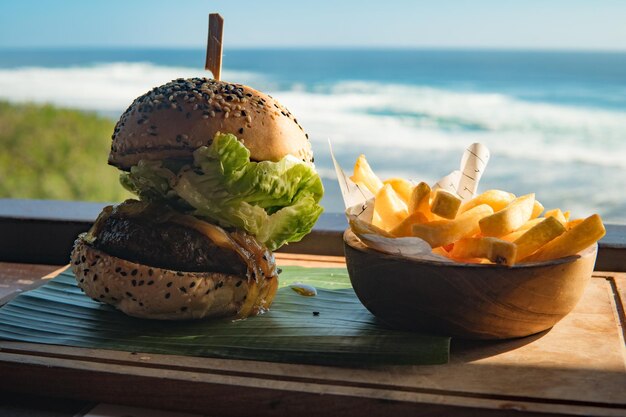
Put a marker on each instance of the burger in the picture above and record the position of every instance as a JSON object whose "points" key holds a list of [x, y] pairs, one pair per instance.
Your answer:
{"points": [[224, 176]]}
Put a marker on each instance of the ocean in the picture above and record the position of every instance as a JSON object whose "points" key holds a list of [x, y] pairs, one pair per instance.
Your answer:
{"points": [[555, 122]]}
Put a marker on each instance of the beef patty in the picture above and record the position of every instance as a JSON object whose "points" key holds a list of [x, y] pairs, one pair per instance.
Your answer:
{"points": [[165, 245]]}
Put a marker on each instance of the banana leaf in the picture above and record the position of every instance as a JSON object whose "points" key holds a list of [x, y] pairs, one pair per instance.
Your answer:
{"points": [[331, 328]]}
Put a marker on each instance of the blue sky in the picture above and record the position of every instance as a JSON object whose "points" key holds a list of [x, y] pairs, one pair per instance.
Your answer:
{"points": [[528, 24]]}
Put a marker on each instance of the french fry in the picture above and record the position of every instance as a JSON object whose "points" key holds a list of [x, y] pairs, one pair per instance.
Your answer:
{"points": [[420, 199], [376, 219], [391, 209], [537, 210], [496, 199], [511, 237], [510, 218], [363, 174], [531, 223], [441, 251], [571, 241], [405, 227], [445, 204], [402, 187], [537, 236], [443, 232], [557, 214], [572, 223], [496, 250]]}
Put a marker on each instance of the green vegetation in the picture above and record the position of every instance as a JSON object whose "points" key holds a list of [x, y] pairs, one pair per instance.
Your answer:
{"points": [[52, 153]]}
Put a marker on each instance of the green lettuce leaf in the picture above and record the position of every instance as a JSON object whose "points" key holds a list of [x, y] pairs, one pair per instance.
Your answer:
{"points": [[278, 202]]}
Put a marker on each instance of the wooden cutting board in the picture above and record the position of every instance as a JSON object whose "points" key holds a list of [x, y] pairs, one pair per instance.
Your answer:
{"points": [[576, 368]]}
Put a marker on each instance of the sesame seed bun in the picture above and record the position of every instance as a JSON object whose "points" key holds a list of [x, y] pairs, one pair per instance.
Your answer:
{"points": [[156, 293], [173, 120]]}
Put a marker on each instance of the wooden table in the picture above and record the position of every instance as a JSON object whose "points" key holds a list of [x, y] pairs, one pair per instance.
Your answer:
{"points": [[576, 368]]}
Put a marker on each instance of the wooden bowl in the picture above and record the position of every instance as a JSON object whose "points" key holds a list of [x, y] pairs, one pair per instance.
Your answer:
{"points": [[473, 301]]}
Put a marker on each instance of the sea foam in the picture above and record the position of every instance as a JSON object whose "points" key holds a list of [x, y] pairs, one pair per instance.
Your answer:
{"points": [[427, 119], [105, 88]]}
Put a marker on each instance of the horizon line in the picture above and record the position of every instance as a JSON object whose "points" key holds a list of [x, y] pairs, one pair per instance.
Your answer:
{"points": [[320, 48]]}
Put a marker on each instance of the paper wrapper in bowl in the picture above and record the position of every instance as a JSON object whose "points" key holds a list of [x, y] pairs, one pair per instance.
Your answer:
{"points": [[473, 301]]}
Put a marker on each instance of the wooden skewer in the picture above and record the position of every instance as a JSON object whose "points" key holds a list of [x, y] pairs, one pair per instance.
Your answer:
{"points": [[214, 45]]}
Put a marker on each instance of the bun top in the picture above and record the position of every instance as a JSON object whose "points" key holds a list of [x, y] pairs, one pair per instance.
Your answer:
{"points": [[173, 120]]}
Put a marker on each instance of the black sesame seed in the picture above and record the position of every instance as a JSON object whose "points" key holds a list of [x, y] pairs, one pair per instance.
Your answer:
{"points": [[193, 284], [129, 294], [101, 295], [241, 130], [82, 280], [83, 259], [183, 309], [95, 277], [180, 274], [169, 284], [123, 273], [183, 289], [316, 313], [153, 134], [243, 113], [150, 272], [167, 295], [150, 282], [133, 272], [140, 283], [118, 269], [106, 289], [134, 282], [85, 271], [207, 291], [76, 262], [140, 304], [238, 284]]}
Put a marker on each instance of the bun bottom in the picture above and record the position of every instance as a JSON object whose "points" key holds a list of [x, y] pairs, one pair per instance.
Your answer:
{"points": [[156, 293]]}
